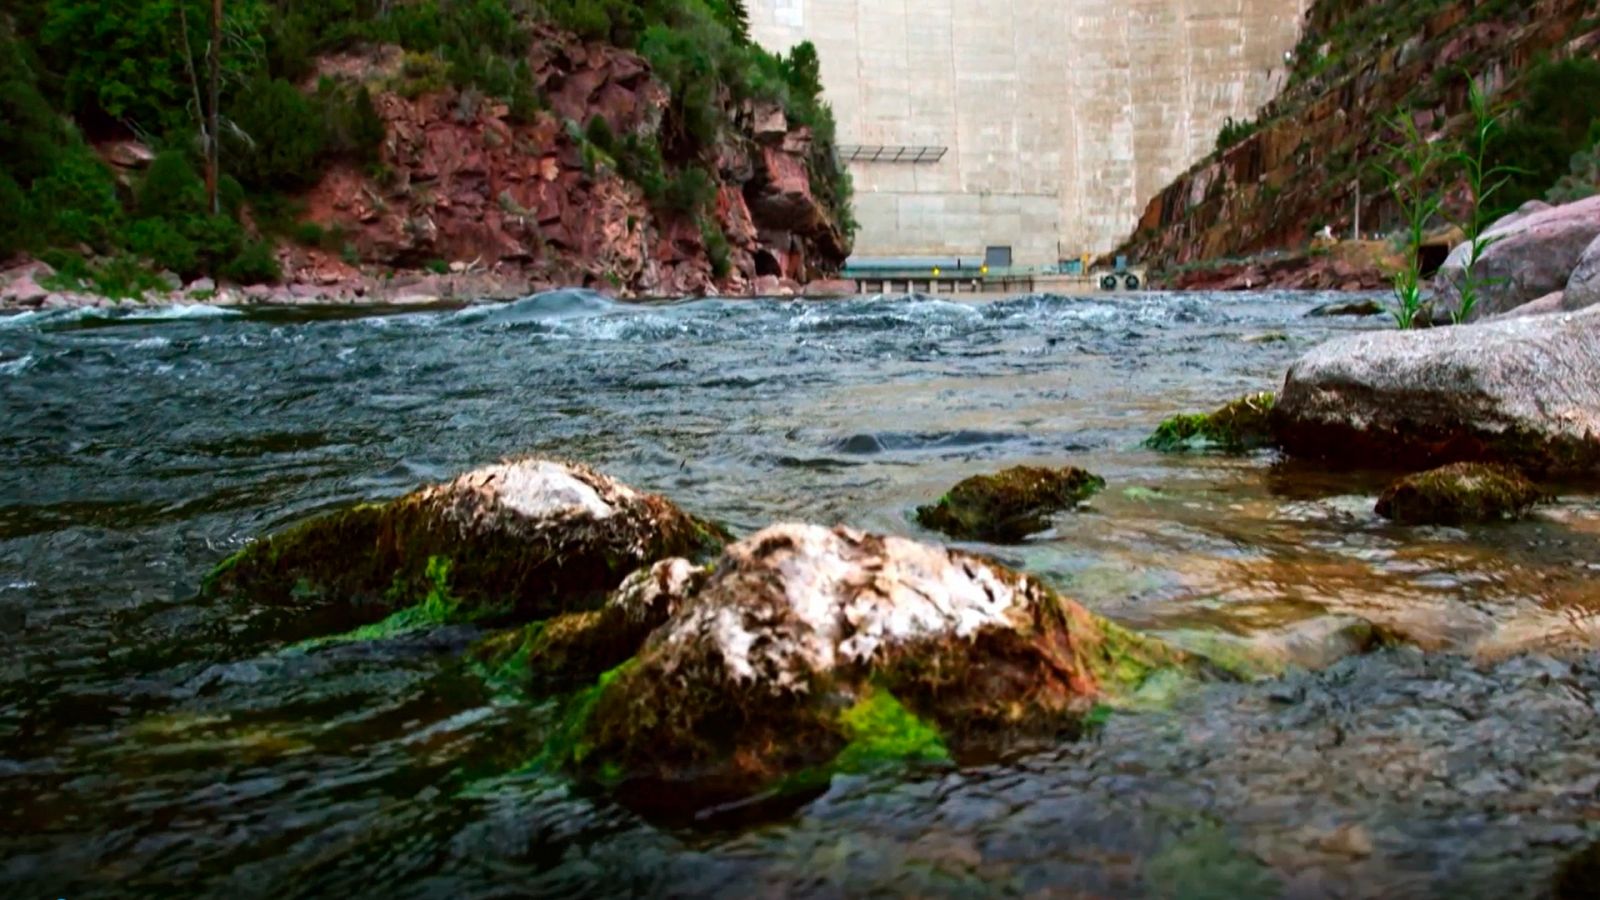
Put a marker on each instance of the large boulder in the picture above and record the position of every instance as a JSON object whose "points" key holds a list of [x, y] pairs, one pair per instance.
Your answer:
{"points": [[1583, 288], [1523, 391], [1533, 255], [522, 540], [811, 651], [1008, 507]]}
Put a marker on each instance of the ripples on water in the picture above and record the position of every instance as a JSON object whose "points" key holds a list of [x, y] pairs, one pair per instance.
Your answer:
{"points": [[136, 450]]}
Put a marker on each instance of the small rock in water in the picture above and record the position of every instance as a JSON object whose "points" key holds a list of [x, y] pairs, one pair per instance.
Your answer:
{"points": [[1240, 426], [1008, 507], [1360, 308], [1461, 494]]}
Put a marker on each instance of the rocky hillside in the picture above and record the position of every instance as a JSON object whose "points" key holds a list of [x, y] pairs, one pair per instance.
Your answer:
{"points": [[462, 185], [424, 147], [1277, 181]]}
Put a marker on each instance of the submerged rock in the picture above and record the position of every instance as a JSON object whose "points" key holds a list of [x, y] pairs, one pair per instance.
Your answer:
{"points": [[1460, 494], [1522, 391], [1007, 507], [811, 651], [521, 540], [1358, 308], [1239, 427]]}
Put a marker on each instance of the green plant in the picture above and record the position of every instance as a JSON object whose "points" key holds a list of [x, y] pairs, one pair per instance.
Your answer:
{"points": [[1411, 163], [1483, 180], [278, 139], [717, 249], [438, 267], [1234, 132], [255, 264]]}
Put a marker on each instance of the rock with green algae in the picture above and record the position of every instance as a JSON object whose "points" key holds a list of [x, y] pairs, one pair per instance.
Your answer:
{"points": [[1460, 494], [1008, 507], [521, 540], [1239, 427], [572, 650], [809, 651]]}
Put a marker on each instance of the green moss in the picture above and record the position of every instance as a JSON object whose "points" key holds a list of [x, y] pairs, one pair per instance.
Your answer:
{"points": [[882, 731], [1007, 507], [569, 744], [437, 607], [1239, 427]]}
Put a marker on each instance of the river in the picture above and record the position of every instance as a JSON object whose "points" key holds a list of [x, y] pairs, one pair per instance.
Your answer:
{"points": [[138, 449]]}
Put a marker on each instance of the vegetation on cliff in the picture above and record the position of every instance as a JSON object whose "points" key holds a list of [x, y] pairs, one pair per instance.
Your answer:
{"points": [[1362, 68], [81, 77]]}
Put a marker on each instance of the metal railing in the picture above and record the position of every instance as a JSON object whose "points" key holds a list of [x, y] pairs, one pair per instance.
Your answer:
{"points": [[890, 154]]}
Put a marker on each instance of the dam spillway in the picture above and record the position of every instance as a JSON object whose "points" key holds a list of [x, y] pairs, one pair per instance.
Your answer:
{"points": [[1038, 127]]}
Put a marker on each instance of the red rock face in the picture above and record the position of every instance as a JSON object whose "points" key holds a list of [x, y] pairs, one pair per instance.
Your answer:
{"points": [[1277, 187], [461, 184]]}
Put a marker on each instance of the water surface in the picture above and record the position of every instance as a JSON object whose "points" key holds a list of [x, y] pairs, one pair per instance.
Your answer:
{"points": [[136, 450]]}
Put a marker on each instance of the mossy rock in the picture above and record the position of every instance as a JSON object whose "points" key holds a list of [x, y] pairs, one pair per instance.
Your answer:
{"points": [[1239, 427], [810, 651], [1460, 494], [570, 651], [519, 541], [1008, 507]]}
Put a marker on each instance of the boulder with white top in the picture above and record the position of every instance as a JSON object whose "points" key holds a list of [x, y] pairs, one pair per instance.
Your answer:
{"points": [[1522, 391], [809, 651], [518, 541]]}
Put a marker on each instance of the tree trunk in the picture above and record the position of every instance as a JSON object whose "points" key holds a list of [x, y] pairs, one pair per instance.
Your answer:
{"points": [[213, 131]]}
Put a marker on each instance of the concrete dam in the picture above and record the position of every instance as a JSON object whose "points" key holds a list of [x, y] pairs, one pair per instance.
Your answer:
{"points": [[1028, 131]]}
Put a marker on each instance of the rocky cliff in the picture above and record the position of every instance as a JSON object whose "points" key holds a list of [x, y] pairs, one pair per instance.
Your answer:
{"points": [[463, 187], [1305, 161]]}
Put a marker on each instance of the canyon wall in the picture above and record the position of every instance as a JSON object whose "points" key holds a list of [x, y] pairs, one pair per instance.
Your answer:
{"points": [[1060, 119], [1310, 158]]}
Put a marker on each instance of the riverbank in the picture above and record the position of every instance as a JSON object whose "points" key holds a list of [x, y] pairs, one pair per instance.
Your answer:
{"points": [[32, 286]]}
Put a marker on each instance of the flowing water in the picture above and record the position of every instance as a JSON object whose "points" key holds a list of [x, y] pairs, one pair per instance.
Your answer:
{"points": [[136, 450]]}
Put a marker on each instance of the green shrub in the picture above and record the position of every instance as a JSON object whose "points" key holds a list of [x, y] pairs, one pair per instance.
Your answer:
{"points": [[16, 216], [351, 124], [309, 234], [160, 242], [1234, 132], [283, 137], [1562, 104], [255, 264], [77, 200], [171, 188], [690, 192], [717, 249]]}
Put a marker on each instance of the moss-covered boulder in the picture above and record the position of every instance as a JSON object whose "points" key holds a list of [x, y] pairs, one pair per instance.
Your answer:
{"points": [[519, 541], [1239, 427], [1460, 494], [1007, 507], [810, 651]]}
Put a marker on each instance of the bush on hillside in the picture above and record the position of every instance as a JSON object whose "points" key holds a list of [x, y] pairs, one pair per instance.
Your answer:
{"points": [[77, 200], [1554, 124], [279, 137]]}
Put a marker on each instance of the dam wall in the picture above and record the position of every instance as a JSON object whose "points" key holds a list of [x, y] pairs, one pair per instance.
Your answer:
{"points": [[1052, 122]]}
